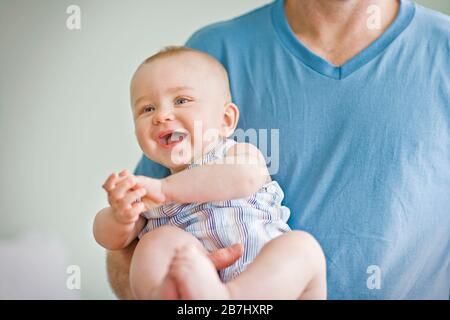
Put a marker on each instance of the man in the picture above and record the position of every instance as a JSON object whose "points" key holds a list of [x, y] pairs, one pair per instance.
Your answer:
{"points": [[360, 93]]}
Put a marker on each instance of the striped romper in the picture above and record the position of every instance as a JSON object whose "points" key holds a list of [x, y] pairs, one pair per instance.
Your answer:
{"points": [[252, 221]]}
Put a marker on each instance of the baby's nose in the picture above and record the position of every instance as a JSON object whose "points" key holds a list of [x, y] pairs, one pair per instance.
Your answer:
{"points": [[163, 115]]}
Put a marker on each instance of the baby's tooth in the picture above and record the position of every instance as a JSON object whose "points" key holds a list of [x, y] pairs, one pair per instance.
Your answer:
{"points": [[176, 136]]}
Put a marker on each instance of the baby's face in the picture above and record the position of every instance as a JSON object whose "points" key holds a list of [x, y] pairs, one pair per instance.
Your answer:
{"points": [[178, 107]]}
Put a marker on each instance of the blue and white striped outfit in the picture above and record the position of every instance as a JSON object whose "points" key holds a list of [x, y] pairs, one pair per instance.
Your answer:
{"points": [[252, 221]]}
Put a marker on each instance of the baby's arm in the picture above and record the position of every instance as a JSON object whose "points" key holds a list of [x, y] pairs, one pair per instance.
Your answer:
{"points": [[112, 234], [115, 227], [239, 174]]}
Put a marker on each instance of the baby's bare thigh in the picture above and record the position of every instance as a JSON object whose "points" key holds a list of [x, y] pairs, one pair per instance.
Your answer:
{"points": [[153, 255], [166, 239]]}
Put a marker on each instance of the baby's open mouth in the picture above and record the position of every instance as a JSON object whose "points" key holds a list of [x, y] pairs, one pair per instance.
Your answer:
{"points": [[172, 138]]}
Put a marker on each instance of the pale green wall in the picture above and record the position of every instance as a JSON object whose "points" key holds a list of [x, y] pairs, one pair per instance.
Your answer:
{"points": [[64, 118], [440, 5]]}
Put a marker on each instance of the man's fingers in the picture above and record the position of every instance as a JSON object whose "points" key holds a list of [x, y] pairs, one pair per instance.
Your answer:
{"points": [[225, 257]]}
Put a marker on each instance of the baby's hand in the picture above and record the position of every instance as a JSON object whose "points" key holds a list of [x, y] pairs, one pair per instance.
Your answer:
{"points": [[124, 194], [154, 195]]}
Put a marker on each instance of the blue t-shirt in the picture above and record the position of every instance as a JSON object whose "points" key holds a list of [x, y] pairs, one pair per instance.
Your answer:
{"points": [[364, 148]]}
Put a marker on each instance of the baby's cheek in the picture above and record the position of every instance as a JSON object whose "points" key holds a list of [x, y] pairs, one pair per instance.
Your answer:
{"points": [[141, 139], [146, 143], [142, 131]]}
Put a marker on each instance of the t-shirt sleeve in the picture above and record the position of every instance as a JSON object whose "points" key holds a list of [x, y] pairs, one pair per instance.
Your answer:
{"points": [[208, 39], [199, 40]]}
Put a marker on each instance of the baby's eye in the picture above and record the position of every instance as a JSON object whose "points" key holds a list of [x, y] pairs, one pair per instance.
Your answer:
{"points": [[148, 109], [181, 101]]}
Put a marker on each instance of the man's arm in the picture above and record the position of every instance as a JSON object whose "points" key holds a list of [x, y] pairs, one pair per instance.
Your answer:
{"points": [[239, 174], [118, 269]]}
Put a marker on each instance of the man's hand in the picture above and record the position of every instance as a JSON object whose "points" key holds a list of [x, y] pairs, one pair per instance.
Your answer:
{"points": [[124, 195], [225, 257]]}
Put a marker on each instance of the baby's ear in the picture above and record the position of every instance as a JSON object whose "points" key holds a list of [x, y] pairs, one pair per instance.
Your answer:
{"points": [[230, 119]]}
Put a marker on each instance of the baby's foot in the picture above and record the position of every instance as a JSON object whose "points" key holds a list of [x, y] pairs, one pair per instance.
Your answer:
{"points": [[167, 290], [195, 276]]}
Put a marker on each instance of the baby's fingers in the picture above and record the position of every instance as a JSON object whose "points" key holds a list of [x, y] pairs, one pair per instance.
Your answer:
{"points": [[132, 197], [113, 179], [123, 187], [131, 214], [110, 182], [124, 173]]}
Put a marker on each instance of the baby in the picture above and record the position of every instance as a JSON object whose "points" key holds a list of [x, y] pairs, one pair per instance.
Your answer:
{"points": [[219, 193]]}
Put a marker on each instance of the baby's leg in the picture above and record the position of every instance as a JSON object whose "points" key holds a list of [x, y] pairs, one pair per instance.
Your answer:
{"points": [[291, 266], [195, 276], [152, 258]]}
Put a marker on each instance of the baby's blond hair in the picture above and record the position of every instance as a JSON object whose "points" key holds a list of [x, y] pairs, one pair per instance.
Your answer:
{"points": [[177, 50]]}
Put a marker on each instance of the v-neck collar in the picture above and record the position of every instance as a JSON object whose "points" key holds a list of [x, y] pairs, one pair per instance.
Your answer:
{"points": [[288, 38]]}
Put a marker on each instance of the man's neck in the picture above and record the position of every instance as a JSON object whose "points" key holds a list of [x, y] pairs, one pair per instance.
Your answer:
{"points": [[337, 30]]}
